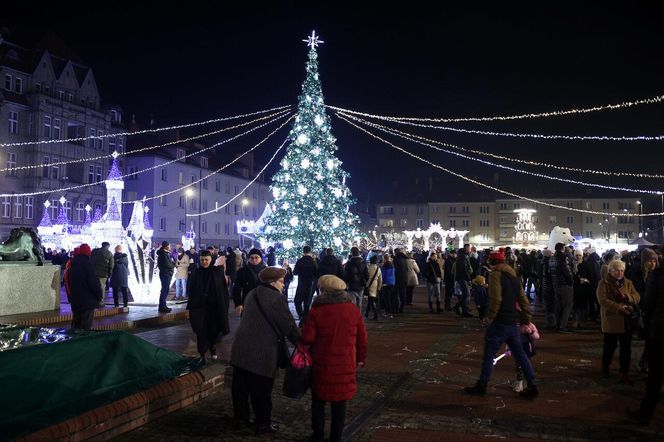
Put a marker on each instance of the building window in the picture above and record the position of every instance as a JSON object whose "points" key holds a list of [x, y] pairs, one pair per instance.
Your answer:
{"points": [[464, 223], [99, 142], [193, 178], [217, 186], [553, 219], [91, 141], [11, 163], [46, 170], [484, 223], [47, 127], [8, 82], [70, 97], [80, 210], [204, 162], [47, 90], [236, 188], [227, 209], [404, 210], [589, 205], [61, 95], [162, 224], [403, 222], [589, 219], [465, 209], [54, 208], [111, 144], [204, 183], [181, 225], [420, 210], [181, 202], [419, 223], [18, 207], [18, 85], [193, 205], [236, 210], [91, 173], [180, 178], [452, 223], [120, 142], [570, 219], [228, 188], [227, 229], [162, 200], [99, 174], [13, 122], [386, 222], [503, 220], [55, 169], [56, 128], [452, 209], [204, 227], [606, 205], [217, 228], [517, 205], [503, 206], [29, 206], [484, 209], [68, 209], [179, 153], [6, 206], [163, 174], [386, 210]]}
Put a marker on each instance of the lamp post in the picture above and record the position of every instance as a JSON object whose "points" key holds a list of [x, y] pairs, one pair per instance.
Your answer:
{"points": [[640, 225], [627, 222], [187, 194], [245, 202]]}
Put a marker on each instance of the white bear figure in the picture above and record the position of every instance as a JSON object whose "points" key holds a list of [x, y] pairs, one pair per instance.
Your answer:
{"points": [[560, 234]]}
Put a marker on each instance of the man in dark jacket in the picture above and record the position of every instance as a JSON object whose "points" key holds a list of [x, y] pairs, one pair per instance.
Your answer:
{"points": [[450, 264], [330, 265], [356, 275], [594, 261], [400, 277], [102, 263], [120, 276], [306, 270], [85, 289], [654, 318], [563, 286], [505, 292], [208, 306], [247, 278], [166, 267], [462, 277]]}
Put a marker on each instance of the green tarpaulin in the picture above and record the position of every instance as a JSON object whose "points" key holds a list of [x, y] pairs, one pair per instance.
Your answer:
{"points": [[42, 385]]}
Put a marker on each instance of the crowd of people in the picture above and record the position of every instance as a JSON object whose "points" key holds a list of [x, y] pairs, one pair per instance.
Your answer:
{"points": [[621, 293]]}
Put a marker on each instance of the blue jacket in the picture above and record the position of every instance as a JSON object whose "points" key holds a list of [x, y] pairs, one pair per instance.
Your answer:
{"points": [[387, 272]]}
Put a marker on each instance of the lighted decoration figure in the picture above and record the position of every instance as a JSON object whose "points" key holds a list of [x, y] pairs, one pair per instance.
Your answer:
{"points": [[308, 198], [525, 232], [189, 237], [429, 237]]}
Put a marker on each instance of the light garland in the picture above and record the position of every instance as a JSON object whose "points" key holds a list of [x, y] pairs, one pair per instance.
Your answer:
{"points": [[479, 183], [538, 136], [138, 172], [574, 111], [411, 137], [216, 209], [145, 131], [527, 162], [144, 149], [170, 192]]}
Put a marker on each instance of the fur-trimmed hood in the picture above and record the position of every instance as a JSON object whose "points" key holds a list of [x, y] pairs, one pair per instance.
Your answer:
{"points": [[332, 298], [505, 269]]}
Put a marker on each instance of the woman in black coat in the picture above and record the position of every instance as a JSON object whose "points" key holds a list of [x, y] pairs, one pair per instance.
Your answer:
{"points": [[208, 305], [120, 276]]}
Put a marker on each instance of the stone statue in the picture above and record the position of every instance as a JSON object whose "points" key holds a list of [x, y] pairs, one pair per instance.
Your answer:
{"points": [[23, 244]]}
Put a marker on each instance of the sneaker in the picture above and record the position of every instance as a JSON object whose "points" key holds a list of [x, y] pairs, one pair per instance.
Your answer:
{"points": [[479, 389], [165, 310], [531, 392], [519, 386]]}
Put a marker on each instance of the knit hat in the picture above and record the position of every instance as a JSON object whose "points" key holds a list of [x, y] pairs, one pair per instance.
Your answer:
{"points": [[84, 249], [331, 283], [255, 252], [271, 274], [480, 280], [497, 257], [648, 254]]}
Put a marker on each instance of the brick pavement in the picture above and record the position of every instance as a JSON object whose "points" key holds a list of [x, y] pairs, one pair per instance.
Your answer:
{"points": [[442, 354]]}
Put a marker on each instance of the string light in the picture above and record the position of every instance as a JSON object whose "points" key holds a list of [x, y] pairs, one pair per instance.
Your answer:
{"points": [[527, 162], [479, 183], [574, 111], [489, 163], [538, 136], [216, 209], [138, 172], [213, 172], [144, 149], [145, 131]]}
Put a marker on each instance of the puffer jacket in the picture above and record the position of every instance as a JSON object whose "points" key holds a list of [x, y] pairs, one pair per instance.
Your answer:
{"points": [[164, 262], [356, 274], [376, 282], [560, 270], [413, 271], [102, 262], [335, 331]]}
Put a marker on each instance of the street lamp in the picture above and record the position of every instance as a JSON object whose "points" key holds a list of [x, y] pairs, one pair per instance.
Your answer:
{"points": [[640, 225], [187, 194], [245, 202]]}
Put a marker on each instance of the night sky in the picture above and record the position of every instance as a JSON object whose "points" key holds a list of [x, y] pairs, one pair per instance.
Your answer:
{"points": [[196, 61]]}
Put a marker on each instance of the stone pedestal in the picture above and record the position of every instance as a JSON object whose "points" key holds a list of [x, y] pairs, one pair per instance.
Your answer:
{"points": [[28, 288]]}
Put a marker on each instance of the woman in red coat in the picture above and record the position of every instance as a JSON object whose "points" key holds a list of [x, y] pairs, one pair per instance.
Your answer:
{"points": [[335, 331]]}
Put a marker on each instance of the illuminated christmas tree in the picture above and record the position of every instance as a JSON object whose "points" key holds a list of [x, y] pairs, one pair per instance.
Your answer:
{"points": [[311, 201]]}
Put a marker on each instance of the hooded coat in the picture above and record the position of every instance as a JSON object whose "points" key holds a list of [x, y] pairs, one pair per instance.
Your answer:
{"points": [[503, 297], [84, 283], [208, 301], [120, 275], [335, 331]]}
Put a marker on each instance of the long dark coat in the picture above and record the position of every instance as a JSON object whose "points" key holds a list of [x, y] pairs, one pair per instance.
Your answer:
{"points": [[85, 288], [120, 275], [208, 301]]}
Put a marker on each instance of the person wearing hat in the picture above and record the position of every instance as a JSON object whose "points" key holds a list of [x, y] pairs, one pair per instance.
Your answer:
{"points": [[639, 274], [120, 276], [505, 293], [254, 356], [480, 295], [85, 289], [102, 262], [433, 275], [166, 265], [562, 279], [335, 331], [208, 305], [306, 270], [247, 279]]}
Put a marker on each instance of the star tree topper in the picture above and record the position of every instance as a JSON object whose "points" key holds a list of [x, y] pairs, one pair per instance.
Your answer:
{"points": [[313, 40]]}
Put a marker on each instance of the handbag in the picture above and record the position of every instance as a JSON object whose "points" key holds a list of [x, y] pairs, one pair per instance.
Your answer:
{"points": [[297, 379], [283, 355], [366, 289], [635, 319]]}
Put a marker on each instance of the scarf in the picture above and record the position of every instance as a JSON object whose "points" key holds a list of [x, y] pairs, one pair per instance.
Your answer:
{"points": [[616, 287]]}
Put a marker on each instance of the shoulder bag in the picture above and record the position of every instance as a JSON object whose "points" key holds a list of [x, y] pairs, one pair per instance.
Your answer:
{"points": [[283, 356], [366, 289]]}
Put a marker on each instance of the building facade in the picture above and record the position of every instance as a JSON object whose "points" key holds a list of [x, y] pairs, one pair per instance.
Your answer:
{"points": [[493, 222], [48, 94]]}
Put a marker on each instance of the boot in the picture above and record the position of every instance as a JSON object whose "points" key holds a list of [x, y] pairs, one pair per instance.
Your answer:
{"points": [[479, 389], [438, 309], [531, 392], [430, 308]]}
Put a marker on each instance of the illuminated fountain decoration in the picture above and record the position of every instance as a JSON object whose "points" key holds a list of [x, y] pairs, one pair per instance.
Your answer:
{"points": [[144, 282], [429, 240], [254, 230], [525, 232]]}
